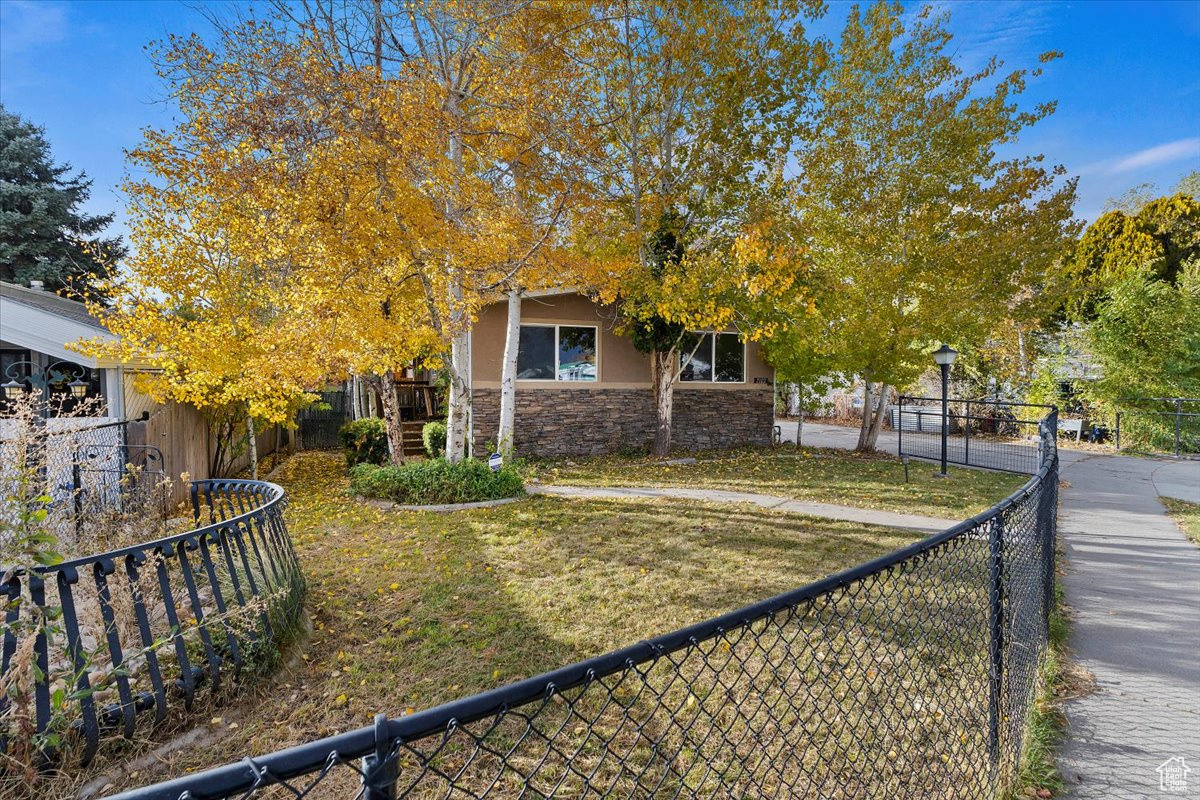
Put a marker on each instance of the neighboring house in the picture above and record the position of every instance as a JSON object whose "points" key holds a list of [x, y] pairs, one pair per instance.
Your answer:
{"points": [[35, 326], [584, 389]]}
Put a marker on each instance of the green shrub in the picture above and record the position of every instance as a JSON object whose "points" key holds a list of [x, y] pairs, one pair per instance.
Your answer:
{"points": [[434, 437], [365, 441], [436, 481]]}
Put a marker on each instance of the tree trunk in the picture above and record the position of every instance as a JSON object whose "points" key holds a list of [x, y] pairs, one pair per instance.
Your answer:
{"points": [[252, 443], [460, 398], [506, 434], [391, 416], [864, 428], [663, 369], [371, 405], [793, 399], [874, 409], [1023, 366]]}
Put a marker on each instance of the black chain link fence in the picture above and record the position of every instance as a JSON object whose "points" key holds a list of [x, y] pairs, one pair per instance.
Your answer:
{"points": [[909, 676], [991, 434]]}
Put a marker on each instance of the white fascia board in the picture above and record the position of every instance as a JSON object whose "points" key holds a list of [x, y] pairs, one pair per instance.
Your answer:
{"points": [[35, 329]]}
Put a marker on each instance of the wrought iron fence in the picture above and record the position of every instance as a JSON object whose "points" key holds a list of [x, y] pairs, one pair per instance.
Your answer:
{"points": [[990, 434], [92, 645], [1159, 424], [909, 676], [320, 422]]}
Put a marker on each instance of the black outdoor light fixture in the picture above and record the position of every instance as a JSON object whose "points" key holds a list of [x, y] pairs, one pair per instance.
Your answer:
{"points": [[43, 378], [944, 356]]}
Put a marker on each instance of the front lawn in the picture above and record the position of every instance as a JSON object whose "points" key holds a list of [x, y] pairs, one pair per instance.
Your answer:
{"points": [[414, 609], [1186, 516], [819, 475]]}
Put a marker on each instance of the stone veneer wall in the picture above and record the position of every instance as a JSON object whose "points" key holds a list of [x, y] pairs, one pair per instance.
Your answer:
{"points": [[575, 422]]}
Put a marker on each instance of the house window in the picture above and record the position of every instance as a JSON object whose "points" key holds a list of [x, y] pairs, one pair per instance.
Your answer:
{"points": [[719, 358], [557, 352]]}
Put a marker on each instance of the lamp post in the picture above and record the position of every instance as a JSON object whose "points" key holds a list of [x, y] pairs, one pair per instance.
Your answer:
{"points": [[944, 356], [42, 379]]}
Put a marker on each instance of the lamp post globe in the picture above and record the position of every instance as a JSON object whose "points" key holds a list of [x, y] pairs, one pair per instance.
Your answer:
{"points": [[945, 356]]}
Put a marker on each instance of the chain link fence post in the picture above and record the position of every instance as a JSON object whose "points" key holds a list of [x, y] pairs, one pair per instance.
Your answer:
{"points": [[995, 633], [379, 772]]}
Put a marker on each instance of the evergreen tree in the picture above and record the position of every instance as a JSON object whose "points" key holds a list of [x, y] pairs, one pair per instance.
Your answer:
{"points": [[44, 235]]}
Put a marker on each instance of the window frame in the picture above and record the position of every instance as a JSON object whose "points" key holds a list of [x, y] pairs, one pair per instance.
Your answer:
{"points": [[713, 358], [558, 350]]}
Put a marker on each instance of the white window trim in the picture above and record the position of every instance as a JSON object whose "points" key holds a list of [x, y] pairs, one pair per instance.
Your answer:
{"points": [[713, 357], [558, 352]]}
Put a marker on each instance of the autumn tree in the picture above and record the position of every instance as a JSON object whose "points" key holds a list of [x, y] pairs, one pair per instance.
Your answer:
{"points": [[1135, 290], [919, 231], [498, 164], [364, 176], [700, 104], [1154, 241]]}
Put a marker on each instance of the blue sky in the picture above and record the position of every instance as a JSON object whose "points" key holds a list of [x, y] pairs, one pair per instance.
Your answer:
{"points": [[1128, 87]]}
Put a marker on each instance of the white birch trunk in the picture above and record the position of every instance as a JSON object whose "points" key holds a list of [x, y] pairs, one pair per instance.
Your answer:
{"points": [[252, 443], [460, 397], [506, 434], [793, 399]]}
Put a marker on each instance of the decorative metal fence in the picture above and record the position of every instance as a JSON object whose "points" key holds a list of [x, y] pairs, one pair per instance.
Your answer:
{"points": [[93, 645], [990, 434], [320, 422], [1160, 424], [909, 676]]}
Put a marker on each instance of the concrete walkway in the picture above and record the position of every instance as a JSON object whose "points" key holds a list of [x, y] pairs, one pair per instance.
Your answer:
{"points": [[867, 516], [1132, 581]]}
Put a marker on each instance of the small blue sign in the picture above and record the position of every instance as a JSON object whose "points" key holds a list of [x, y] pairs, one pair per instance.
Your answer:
{"points": [[495, 461]]}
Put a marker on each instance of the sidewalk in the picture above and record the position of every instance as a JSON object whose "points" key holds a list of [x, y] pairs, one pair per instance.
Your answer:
{"points": [[1133, 584], [867, 516], [1132, 581]]}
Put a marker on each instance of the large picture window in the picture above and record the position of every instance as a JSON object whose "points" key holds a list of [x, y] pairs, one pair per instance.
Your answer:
{"points": [[557, 352], [718, 358]]}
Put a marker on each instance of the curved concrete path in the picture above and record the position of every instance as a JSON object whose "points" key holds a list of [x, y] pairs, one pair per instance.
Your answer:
{"points": [[867, 516], [1132, 581]]}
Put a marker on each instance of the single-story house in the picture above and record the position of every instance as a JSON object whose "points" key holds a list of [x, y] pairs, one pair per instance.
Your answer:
{"points": [[584, 389]]}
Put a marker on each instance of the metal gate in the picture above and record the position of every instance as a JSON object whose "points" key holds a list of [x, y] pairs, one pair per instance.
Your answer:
{"points": [[321, 421], [992, 434]]}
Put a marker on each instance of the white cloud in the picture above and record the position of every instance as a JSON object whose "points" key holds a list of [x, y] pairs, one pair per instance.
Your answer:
{"points": [[1158, 155]]}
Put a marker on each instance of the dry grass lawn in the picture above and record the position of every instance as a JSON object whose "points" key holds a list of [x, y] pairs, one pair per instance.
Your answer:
{"points": [[1186, 516], [874, 480], [410, 610]]}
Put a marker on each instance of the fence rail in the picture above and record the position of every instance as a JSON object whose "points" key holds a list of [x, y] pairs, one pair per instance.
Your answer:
{"points": [[93, 644], [980, 433], [1160, 424], [911, 675]]}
